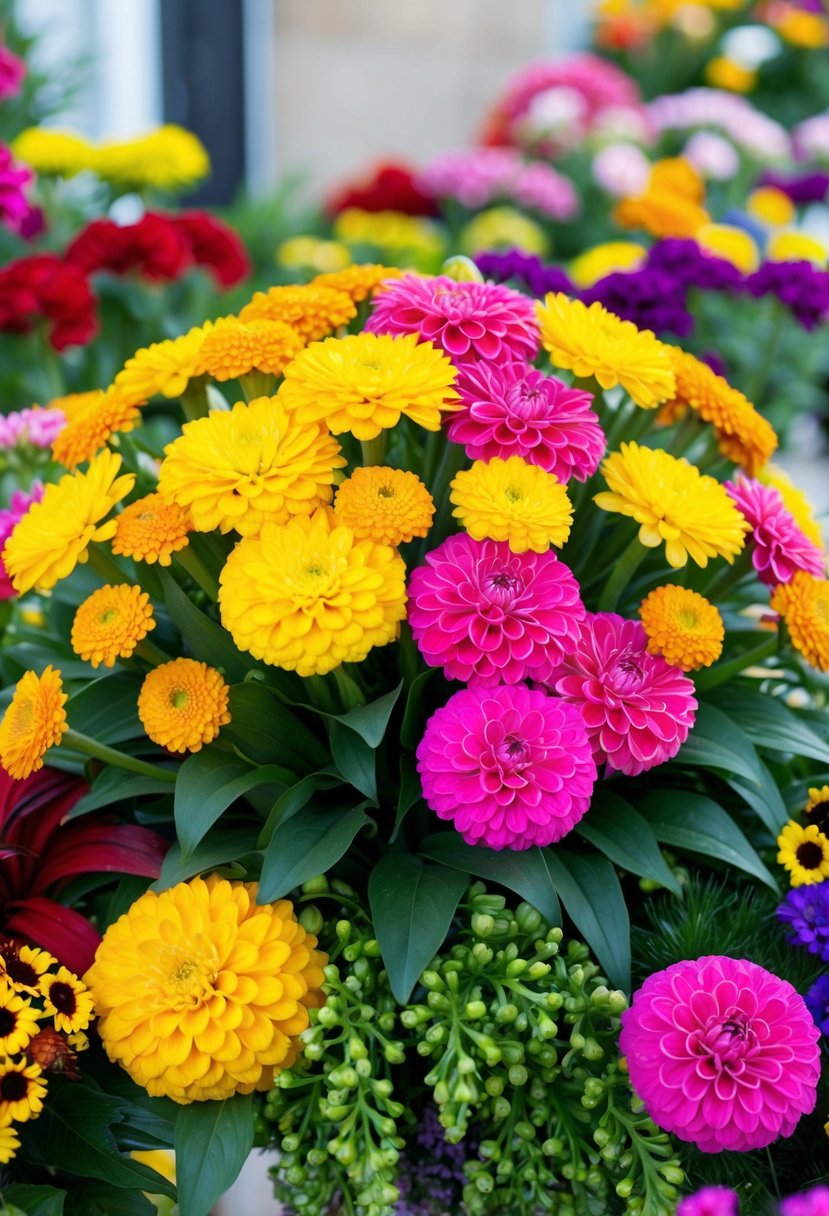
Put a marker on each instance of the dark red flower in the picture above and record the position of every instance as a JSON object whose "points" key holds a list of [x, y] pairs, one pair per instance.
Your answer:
{"points": [[44, 286], [215, 246], [154, 247], [388, 187]]}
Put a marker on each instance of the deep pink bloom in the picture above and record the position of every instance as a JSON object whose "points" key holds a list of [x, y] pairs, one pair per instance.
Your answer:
{"points": [[637, 707], [9, 519], [780, 548], [710, 1201], [811, 1203], [511, 409], [490, 616], [14, 178], [37, 427], [468, 321], [722, 1053], [12, 72], [509, 765]]}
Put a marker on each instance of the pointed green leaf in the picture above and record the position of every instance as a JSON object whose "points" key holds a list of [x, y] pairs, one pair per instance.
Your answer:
{"points": [[34, 1200], [526, 873], [307, 845], [213, 1140], [409, 794], [355, 760], [113, 785], [206, 639], [717, 742], [764, 798], [769, 723], [416, 714], [223, 847], [106, 709], [614, 828], [589, 889], [208, 782], [265, 731], [370, 721], [294, 799]]}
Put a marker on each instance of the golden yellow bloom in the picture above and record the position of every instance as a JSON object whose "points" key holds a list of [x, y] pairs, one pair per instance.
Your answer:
{"points": [[34, 721], [364, 384], [57, 153], [313, 253], [9, 1143], [202, 993], [672, 502], [73, 404], [21, 1090], [661, 213], [800, 28], [804, 852], [359, 281], [313, 311], [594, 342], [397, 236], [308, 596], [513, 501], [725, 73], [503, 228], [604, 259], [816, 810], [254, 463], [233, 348], [682, 626], [151, 530], [676, 175], [384, 505], [164, 368], [55, 533], [796, 247], [22, 966], [110, 623], [67, 1000], [91, 426], [732, 244], [794, 500], [182, 705], [771, 206], [804, 606], [168, 158], [18, 1022]]}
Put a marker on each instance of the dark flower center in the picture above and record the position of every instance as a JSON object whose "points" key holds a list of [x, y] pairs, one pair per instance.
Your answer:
{"points": [[819, 815], [809, 855], [13, 1087], [63, 998], [8, 1021], [18, 971]]}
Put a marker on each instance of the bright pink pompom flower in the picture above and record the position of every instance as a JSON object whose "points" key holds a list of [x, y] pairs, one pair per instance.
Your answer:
{"points": [[637, 707], [490, 616], [722, 1053], [710, 1201], [811, 1203], [513, 410], [12, 72], [10, 517], [780, 548], [510, 766], [468, 321]]}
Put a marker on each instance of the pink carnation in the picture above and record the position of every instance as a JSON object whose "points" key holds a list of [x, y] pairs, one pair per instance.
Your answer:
{"points": [[14, 178], [12, 71], [722, 1053], [490, 616], [710, 1201], [780, 548], [513, 410], [637, 707], [9, 519], [37, 427], [811, 1203], [481, 176], [510, 766], [468, 321]]}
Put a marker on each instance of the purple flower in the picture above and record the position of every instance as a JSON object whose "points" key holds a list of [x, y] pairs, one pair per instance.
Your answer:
{"points": [[799, 285], [10, 517], [651, 298], [805, 911], [803, 189], [690, 266], [528, 269], [431, 1178], [817, 1002]]}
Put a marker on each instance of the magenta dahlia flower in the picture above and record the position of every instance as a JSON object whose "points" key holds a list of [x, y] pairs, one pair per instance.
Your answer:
{"points": [[780, 548], [10, 517], [15, 208], [722, 1053], [489, 616], [468, 321], [710, 1201], [511, 409], [637, 707], [12, 73], [811, 1203], [510, 766]]}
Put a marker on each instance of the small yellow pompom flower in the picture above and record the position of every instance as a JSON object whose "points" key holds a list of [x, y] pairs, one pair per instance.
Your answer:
{"points": [[152, 530], [594, 342], [730, 243], [202, 993], [182, 705], [240, 468], [672, 502], [384, 505], [55, 533], [604, 259], [9, 1143], [67, 1000], [308, 596], [21, 1090], [167, 158], [18, 1022], [233, 348], [771, 206], [796, 247], [90, 427], [513, 501], [804, 851], [34, 721], [725, 73], [162, 369], [366, 382], [359, 282], [313, 310], [803, 604], [682, 626], [110, 623]]}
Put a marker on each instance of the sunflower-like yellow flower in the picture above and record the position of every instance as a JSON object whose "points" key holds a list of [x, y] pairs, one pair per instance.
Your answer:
{"points": [[804, 606], [67, 1000], [90, 427], [55, 533], [672, 502], [183, 704], [168, 158], [804, 851], [233, 348], [152, 530], [9, 1143], [513, 501], [21, 1090], [313, 310], [18, 1022], [22, 966], [816, 810], [34, 721], [202, 993], [683, 626], [794, 500], [360, 281], [594, 342], [604, 259], [366, 382], [308, 596], [254, 463], [110, 623], [162, 369], [384, 505]]}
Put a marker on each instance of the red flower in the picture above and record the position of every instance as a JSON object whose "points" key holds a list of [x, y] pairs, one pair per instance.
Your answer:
{"points": [[40, 852], [389, 187], [215, 246], [46, 286], [153, 246]]}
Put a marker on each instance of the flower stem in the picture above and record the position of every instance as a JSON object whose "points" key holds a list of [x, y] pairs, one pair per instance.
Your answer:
{"points": [[720, 672], [99, 751], [147, 650], [105, 566], [623, 572], [374, 450], [257, 384], [194, 400], [195, 567]]}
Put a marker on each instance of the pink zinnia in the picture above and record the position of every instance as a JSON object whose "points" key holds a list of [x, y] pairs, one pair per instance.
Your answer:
{"points": [[510, 409], [637, 707], [9, 519], [811, 1203], [12, 71], [490, 616], [710, 1201], [37, 427], [468, 321], [722, 1053], [780, 548], [510, 766], [14, 178]]}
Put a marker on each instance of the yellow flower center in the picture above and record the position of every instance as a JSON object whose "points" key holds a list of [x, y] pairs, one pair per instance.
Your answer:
{"points": [[688, 619], [179, 698], [385, 492], [109, 616], [190, 977], [512, 494]]}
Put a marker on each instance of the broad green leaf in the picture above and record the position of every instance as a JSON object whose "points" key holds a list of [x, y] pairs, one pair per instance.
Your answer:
{"points": [[412, 906], [416, 715], [589, 889], [355, 760], [614, 828], [526, 873], [106, 709], [34, 1200], [716, 742], [370, 721], [208, 782], [764, 798], [769, 723], [222, 847], [206, 639], [116, 785], [265, 731], [305, 846], [410, 791], [294, 799], [213, 1140], [95, 1199]]}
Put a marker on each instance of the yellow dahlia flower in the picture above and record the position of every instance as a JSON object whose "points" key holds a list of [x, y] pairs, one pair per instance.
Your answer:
{"points": [[34, 721], [67, 1000], [384, 505], [682, 626], [164, 368], [308, 596], [594, 342], [804, 606], [359, 282], [513, 501], [233, 348], [364, 384], [18, 1022], [183, 704], [110, 623], [201, 993], [254, 463], [90, 427], [313, 310], [168, 158], [672, 502], [55, 533], [21, 1090], [804, 851], [152, 530]]}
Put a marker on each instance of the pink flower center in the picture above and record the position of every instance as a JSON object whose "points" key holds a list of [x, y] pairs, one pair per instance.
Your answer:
{"points": [[501, 587], [527, 404], [625, 671], [512, 754], [455, 305], [727, 1037]]}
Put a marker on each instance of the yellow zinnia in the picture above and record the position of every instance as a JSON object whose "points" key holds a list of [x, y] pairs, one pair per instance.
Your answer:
{"points": [[360, 281], [233, 348], [384, 505], [182, 705], [34, 721], [796, 247], [168, 158], [513, 501], [60, 153], [152, 530], [312, 309], [672, 502], [771, 206], [730, 243], [110, 623], [804, 852], [90, 427], [162, 369], [803, 604], [682, 626]]}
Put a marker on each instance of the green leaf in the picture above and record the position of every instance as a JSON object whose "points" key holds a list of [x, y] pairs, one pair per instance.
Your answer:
{"points": [[614, 828], [371, 721], [591, 894], [265, 731], [526, 873], [106, 709], [715, 742], [764, 798], [412, 906], [116, 785], [410, 792], [34, 1200], [222, 847], [208, 782], [294, 799], [213, 1140], [305, 846], [355, 760], [769, 723], [416, 714], [95, 1199], [206, 639]]}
